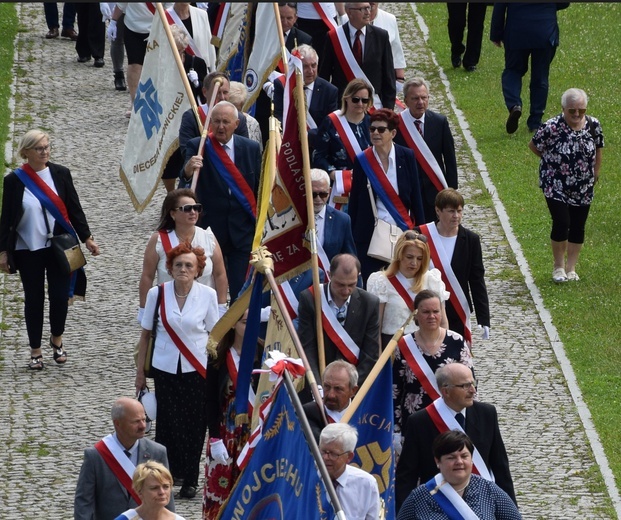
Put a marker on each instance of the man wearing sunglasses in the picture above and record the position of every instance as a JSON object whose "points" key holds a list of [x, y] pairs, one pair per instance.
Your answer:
{"points": [[357, 49], [456, 409]]}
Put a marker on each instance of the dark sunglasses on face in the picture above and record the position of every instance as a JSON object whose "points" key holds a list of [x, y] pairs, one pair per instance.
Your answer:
{"points": [[379, 129], [574, 111], [187, 208], [355, 100], [322, 194]]}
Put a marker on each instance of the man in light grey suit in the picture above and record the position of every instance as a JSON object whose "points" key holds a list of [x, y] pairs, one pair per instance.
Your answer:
{"points": [[99, 494]]}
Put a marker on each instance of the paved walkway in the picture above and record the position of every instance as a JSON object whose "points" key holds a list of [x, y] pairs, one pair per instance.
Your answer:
{"points": [[46, 419]]}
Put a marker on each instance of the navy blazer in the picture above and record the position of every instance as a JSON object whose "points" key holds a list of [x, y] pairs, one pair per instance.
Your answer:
{"points": [[377, 64], [337, 237], [417, 465], [12, 210], [361, 323], [324, 101], [360, 210], [228, 220], [297, 37], [440, 141]]}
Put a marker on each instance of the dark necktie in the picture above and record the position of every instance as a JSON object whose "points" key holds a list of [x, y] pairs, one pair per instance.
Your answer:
{"points": [[459, 417], [419, 126], [128, 453], [357, 47]]}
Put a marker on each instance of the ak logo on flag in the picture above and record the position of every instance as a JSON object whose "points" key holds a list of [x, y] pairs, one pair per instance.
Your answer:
{"points": [[281, 478], [374, 421]]}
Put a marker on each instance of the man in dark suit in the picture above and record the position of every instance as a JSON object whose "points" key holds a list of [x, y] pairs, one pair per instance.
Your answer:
{"points": [[527, 30], [416, 463], [377, 63], [339, 385], [324, 97], [356, 310], [228, 212], [437, 136], [99, 494]]}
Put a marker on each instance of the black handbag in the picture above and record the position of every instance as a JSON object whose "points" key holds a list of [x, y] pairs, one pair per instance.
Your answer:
{"points": [[148, 360], [66, 249]]}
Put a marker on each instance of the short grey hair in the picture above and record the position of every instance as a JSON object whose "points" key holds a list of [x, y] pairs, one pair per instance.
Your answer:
{"points": [[307, 51], [227, 104], [118, 409], [317, 174], [341, 364], [414, 83], [443, 376], [180, 38], [340, 432], [573, 95], [238, 93]]}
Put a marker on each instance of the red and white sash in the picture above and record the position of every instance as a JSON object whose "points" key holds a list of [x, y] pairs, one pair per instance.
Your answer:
{"points": [[422, 152], [321, 11], [404, 287], [351, 144], [341, 188], [202, 113], [232, 364], [169, 239], [441, 261], [444, 420], [217, 29], [347, 61], [439, 489], [322, 259], [119, 463], [178, 335], [173, 19], [335, 331], [289, 298], [419, 366]]}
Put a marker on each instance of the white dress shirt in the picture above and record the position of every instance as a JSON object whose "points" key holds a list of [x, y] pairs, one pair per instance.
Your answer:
{"points": [[358, 494]]}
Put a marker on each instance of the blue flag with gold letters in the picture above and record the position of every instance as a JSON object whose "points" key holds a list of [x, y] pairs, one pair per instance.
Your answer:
{"points": [[281, 479], [373, 419]]}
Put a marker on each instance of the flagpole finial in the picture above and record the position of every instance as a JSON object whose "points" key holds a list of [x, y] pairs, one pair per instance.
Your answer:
{"points": [[262, 260]]}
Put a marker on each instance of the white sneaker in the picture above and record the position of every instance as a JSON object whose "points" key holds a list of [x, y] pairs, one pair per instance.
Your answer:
{"points": [[573, 276], [559, 275]]}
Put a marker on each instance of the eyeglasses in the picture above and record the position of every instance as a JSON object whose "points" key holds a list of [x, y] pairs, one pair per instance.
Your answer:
{"points": [[355, 100], [288, 4], [331, 455], [465, 386], [361, 9], [42, 149], [187, 208], [379, 129], [413, 235], [574, 111], [322, 194]]}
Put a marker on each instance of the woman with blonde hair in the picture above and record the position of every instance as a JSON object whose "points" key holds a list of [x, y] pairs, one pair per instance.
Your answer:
{"points": [[153, 483], [397, 285]]}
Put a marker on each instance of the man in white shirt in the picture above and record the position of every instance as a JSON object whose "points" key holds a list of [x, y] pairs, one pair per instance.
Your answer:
{"points": [[388, 22], [356, 489]]}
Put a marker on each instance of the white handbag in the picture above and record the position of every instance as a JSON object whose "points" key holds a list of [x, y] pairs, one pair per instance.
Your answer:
{"points": [[384, 236]]}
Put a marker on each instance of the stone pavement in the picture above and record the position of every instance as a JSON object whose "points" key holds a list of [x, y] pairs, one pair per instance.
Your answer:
{"points": [[46, 419]]}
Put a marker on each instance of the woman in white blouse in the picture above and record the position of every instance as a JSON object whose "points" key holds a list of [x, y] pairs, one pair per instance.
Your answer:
{"points": [[397, 286], [186, 313]]}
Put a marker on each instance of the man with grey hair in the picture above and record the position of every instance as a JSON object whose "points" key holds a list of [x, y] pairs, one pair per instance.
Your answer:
{"points": [[356, 489], [104, 488], [428, 134], [228, 180], [339, 384]]}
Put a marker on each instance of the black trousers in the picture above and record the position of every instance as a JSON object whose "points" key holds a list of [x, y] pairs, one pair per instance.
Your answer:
{"points": [[33, 267], [91, 31], [472, 14], [568, 222]]}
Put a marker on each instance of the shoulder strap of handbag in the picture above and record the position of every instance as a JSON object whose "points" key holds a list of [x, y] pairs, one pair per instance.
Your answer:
{"points": [[160, 290], [373, 206]]}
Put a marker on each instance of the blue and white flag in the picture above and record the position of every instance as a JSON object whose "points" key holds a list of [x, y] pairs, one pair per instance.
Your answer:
{"points": [[281, 479], [374, 454]]}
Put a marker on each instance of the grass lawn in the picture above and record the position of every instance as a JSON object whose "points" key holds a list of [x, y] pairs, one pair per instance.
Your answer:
{"points": [[8, 29], [587, 314]]}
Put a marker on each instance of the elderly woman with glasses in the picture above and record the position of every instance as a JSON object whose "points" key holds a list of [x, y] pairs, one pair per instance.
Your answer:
{"points": [[344, 134], [570, 147], [39, 200], [385, 186], [180, 212]]}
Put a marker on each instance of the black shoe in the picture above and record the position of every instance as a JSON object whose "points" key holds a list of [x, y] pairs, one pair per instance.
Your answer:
{"points": [[119, 81], [99, 62], [456, 61], [53, 33], [186, 492], [514, 117], [470, 68], [83, 59]]}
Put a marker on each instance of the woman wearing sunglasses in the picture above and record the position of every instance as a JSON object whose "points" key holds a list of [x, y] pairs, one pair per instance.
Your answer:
{"points": [[180, 212], [394, 188], [344, 134], [570, 146]]}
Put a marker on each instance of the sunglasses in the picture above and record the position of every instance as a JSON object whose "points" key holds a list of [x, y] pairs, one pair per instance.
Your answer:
{"points": [[574, 111], [355, 100], [379, 129], [187, 208], [322, 194], [413, 235]]}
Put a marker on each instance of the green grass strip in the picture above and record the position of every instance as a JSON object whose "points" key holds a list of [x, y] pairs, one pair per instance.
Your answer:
{"points": [[8, 30]]}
